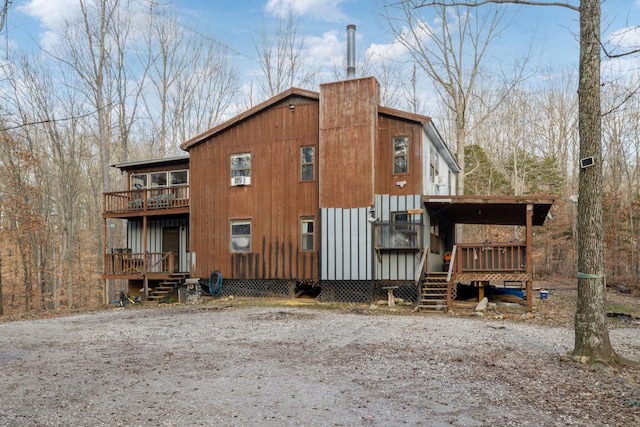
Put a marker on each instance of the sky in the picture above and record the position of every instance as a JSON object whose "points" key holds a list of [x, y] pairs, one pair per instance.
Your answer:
{"points": [[234, 23]]}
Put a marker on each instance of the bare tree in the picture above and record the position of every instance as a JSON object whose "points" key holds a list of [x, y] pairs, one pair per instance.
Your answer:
{"points": [[281, 56], [442, 54], [592, 341]]}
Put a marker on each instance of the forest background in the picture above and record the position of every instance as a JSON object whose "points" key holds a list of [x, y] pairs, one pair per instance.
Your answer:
{"points": [[128, 78]]}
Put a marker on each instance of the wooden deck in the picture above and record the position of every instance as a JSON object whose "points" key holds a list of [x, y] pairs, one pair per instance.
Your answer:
{"points": [[147, 201]]}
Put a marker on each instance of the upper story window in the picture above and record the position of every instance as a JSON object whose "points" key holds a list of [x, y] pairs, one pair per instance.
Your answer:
{"points": [[401, 154], [307, 162], [159, 179], [240, 236], [434, 165], [179, 177], [139, 181], [307, 234], [240, 165]]}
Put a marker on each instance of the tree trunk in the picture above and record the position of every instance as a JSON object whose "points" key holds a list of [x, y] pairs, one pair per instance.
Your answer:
{"points": [[591, 332]]}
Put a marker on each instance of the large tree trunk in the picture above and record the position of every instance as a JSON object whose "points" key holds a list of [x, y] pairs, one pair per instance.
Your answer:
{"points": [[591, 332]]}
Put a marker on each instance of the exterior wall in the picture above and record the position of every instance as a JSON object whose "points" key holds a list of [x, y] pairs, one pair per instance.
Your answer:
{"points": [[348, 131], [274, 202], [154, 237], [399, 265], [386, 182], [346, 244]]}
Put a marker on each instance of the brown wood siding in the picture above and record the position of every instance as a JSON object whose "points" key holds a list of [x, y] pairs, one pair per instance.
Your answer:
{"points": [[389, 128], [274, 202], [348, 126]]}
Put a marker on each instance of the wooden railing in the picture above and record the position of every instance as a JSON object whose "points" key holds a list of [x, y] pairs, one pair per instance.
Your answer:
{"points": [[146, 199], [490, 257], [123, 262]]}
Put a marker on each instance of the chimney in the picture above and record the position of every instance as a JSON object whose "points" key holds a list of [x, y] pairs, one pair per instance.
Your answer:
{"points": [[351, 51]]}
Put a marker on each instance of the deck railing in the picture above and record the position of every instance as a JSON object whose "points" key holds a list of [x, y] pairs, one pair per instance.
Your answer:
{"points": [[146, 199], [126, 263], [491, 257]]}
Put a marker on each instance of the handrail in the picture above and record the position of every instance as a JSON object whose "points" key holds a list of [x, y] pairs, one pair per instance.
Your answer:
{"points": [[420, 271], [146, 199], [420, 274], [452, 263]]}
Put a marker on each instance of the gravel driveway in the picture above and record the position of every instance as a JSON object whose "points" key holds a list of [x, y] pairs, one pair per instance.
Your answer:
{"points": [[225, 365]]}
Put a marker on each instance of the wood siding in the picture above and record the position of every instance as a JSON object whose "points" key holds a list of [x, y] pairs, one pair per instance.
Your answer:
{"points": [[274, 202], [348, 130], [386, 180]]}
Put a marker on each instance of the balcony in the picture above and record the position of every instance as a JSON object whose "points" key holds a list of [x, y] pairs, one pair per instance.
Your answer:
{"points": [[147, 201], [398, 236], [495, 262], [124, 264]]}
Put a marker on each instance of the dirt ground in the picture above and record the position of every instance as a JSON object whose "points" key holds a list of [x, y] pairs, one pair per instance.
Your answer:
{"points": [[239, 363]]}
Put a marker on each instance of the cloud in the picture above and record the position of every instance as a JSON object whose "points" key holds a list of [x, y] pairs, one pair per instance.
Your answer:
{"points": [[388, 51], [325, 49], [51, 13], [628, 38], [326, 10]]}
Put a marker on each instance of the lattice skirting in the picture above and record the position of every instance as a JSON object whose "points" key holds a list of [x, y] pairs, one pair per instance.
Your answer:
{"points": [[353, 291]]}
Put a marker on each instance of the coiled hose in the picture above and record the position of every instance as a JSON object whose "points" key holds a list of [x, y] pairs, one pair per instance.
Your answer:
{"points": [[215, 290]]}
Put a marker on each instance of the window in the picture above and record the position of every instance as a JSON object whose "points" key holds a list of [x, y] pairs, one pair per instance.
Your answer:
{"points": [[434, 166], [158, 179], [401, 154], [240, 165], [138, 181], [399, 233], [307, 163], [307, 234], [241, 236], [179, 177]]}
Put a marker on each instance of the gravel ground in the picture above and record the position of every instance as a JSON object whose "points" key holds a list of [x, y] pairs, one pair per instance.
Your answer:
{"points": [[230, 364]]}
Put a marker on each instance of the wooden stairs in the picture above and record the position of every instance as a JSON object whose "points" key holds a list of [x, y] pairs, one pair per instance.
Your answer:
{"points": [[434, 292], [167, 288]]}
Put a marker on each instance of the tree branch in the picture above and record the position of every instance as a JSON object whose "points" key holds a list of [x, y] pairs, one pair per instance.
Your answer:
{"points": [[427, 3]]}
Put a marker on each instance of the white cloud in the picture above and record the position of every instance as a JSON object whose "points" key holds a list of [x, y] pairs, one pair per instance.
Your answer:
{"points": [[628, 37], [325, 49], [51, 13], [389, 51], [326, 10]]}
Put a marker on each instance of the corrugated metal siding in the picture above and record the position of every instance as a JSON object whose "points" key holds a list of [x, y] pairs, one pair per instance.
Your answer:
{"points": [[346, 244], [398, 265], [154, 237]]}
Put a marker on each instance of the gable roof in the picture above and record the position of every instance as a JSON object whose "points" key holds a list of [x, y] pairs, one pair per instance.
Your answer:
{"points": [[294, 91]]}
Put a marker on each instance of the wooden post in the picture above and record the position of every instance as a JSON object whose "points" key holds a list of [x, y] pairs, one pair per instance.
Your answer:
{"points": [[529, 256], [144, 259]]}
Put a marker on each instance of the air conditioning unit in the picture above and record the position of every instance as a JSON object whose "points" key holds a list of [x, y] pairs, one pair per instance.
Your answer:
{"points": [[442, 180], [240, 180]]}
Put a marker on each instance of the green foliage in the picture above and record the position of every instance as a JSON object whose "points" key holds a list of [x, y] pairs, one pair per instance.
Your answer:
{"points": [[482, 176], [538, 175]]}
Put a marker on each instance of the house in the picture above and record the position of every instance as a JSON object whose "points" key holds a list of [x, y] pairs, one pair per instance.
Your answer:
{"points": [[314, 192]]}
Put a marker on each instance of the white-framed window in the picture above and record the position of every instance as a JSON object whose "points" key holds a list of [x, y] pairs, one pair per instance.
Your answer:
{"points": [[307, 162], [179, 177], [241, 164], [158, 179], [138, 181], [307, 234], [401, 154], [434, 166], [241, 235]]}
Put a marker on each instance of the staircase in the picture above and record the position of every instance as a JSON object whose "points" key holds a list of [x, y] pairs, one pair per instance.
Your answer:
{"points": [[434, 292], [167, 288]]}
